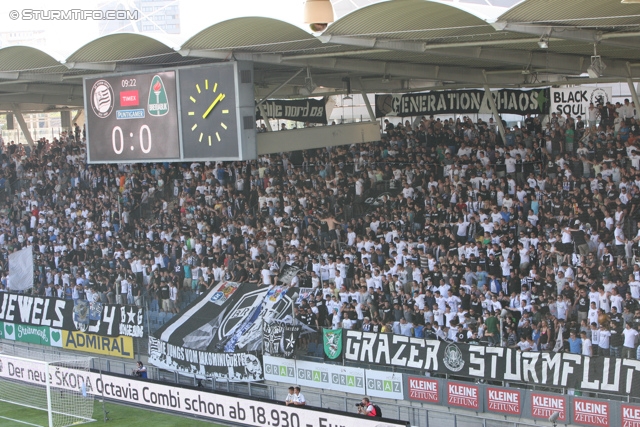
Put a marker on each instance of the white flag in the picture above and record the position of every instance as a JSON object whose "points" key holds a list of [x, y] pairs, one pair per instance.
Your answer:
{"points": [[21, 269]]}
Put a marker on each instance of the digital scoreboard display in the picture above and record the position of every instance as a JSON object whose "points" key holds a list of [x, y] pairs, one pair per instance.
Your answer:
{"points": [[132, 117], [191, 113]]}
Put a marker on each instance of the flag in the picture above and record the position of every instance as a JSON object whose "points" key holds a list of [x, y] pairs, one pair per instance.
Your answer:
{"points": [[290, 337], [21, 269], [332, 339], [279, 339]]}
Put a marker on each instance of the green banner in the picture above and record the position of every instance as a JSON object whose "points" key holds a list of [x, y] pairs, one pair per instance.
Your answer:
{"points": [[332, 339], [41, 335]]}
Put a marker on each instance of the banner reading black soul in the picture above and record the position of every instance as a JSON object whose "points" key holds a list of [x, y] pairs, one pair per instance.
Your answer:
{"points": [[508, 101], [604, 374], [91, 317], [279, 339], [303, 110]]}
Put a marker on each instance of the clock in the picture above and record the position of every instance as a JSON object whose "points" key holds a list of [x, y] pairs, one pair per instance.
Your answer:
{"points": [[208, 99]]}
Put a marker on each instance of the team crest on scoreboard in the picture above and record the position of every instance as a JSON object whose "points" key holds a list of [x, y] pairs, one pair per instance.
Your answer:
{"points": [[158, 104], [453, 359], [102, 101]]}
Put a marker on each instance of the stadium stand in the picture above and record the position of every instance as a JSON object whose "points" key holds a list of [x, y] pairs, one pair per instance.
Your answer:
{"points": [[443, 224]]}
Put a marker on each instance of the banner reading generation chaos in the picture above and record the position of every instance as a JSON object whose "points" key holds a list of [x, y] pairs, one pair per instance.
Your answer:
{"points": [[91, 317], [604, 374], [473, 101]]}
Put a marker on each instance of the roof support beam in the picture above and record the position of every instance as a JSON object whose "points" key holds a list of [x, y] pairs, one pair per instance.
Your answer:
{"points": [[397, 69], [42, 88], [413, 46], [567, 33], [35, 98], [634, 93], [106, 66], [23, 124], [204, 53], [26, 76], [556, 62], [417, 71]]}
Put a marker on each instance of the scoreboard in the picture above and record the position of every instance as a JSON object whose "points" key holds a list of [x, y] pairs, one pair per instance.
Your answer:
{"points": [[194, 113]]}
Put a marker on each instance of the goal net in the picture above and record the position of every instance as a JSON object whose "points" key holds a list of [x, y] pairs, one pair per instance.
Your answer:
{"points": [[53, 393]]}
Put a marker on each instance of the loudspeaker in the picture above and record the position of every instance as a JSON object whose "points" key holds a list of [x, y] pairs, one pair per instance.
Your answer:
{"points": [[65, 119], [9, 121]]}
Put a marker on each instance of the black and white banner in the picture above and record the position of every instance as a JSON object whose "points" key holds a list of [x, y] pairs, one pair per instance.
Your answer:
{"points": [[225, 321], [240, 367], [303, 110], [229, 317], [279, 339], [604, 374], [287, 273], [473, 101], [91, 317]]}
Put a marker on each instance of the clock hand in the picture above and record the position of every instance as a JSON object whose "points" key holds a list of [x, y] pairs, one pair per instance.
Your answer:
{"points": [[213, 104]]}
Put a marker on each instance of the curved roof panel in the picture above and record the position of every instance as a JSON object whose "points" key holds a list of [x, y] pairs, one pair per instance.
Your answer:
{"points": [[410, 19], [580, 13], [24, 58], [123, 47], [252, 34]]}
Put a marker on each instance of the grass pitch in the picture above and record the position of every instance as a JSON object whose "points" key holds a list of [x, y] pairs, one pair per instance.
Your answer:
{"points": [[118, 415]]}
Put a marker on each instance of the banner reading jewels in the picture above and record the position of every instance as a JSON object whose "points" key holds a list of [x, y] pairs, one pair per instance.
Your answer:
{"points": [[604, 374], [91, 317], [474, 101]]}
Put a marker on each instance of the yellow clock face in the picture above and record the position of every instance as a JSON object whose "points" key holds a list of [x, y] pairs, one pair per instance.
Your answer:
{"points": [[207, 111]]}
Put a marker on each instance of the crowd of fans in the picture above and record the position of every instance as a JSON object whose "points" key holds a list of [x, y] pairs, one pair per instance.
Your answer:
{"points": [[442, 229]]}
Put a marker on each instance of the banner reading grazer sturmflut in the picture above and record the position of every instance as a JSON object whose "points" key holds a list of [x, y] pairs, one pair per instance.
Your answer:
{"points": [[332, 340], [598, 374], [91, 317], [472, 101]]}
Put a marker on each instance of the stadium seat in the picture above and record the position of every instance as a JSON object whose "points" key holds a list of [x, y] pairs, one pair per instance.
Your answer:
{"points": [[162, 318], [153, 321], [311, 349], [320, 350]]}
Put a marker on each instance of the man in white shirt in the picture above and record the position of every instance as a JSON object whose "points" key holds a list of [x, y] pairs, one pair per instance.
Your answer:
{"points": [[298, 399], [586, 344], [629, 346], [290, 396]]}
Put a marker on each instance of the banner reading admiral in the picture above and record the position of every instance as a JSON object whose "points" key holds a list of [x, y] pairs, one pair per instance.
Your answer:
{"points": [[474, 101], [589, 374]]}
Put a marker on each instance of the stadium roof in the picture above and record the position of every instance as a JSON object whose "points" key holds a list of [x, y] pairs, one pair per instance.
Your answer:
{"points": [[390, 46]]}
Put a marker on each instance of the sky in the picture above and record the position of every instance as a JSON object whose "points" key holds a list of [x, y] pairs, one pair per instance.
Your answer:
{"points": [[63, 37]]}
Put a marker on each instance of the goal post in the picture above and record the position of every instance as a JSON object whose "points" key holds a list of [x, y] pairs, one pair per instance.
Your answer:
{"points": [[56, 388]]}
